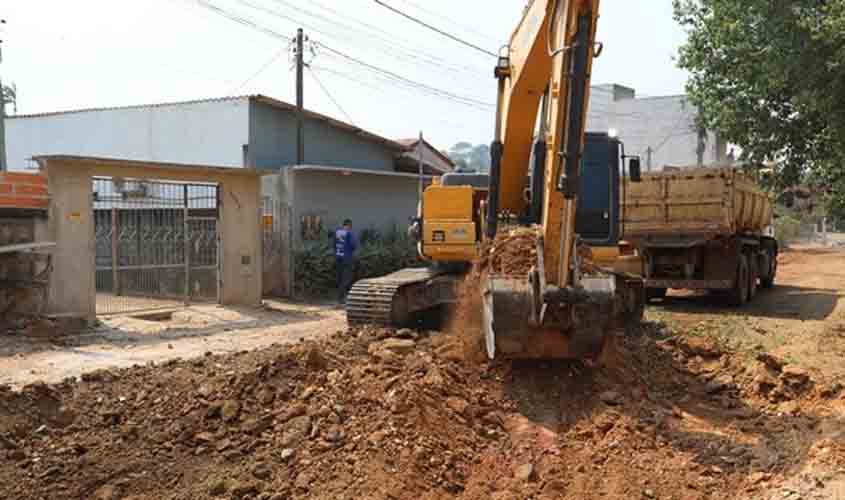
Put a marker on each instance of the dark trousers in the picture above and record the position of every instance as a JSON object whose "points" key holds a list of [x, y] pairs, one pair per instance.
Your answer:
{"points": [[345, 277]]}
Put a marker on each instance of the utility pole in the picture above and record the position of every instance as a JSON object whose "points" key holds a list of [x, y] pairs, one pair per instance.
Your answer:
{"points": [[300, 98], [421, 168], [3, 166], [648, 153]]}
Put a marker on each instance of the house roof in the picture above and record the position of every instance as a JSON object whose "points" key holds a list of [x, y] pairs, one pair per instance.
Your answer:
{"points": [[396, 146], [44, 160], [356, 171], [411, 144]]}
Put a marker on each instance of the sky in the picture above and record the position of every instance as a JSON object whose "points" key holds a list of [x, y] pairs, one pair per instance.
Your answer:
{"points": [[65, 55]]}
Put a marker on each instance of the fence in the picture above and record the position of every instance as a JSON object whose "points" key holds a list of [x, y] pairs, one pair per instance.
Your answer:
{"points": [[276, 224], [156, 244]]}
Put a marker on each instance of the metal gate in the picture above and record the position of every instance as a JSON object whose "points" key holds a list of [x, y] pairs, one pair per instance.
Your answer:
{"points": [[157, 244]]}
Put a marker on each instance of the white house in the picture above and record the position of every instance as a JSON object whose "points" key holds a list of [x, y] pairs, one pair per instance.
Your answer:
{"points": [[661, 130]]}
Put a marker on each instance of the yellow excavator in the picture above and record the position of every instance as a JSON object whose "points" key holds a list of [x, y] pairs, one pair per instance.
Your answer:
{"points": [[557, 311]]}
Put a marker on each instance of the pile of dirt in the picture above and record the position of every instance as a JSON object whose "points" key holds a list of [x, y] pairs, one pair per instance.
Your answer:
{"points": [[363, 415], [512, 253], [385, 414]]}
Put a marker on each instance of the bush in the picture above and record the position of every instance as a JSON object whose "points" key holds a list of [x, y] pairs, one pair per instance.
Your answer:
{"points": [[379, 253], [787, 229]]}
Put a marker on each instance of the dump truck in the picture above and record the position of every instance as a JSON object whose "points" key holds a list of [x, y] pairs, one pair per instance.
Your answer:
{"points": [[701, 229]]}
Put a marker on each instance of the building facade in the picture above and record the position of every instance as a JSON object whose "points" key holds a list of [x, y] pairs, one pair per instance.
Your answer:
{"points": [[661, 130], [347, 172]]}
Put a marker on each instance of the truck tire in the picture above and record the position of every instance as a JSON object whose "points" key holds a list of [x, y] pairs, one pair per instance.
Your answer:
{"points": [[739, 295], [655, 293], [753, 276], [768, 280]]}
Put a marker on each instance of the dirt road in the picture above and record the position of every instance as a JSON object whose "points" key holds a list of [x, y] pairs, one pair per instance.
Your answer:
{"points": [[705, 403], [123, 341], [802, 319]]}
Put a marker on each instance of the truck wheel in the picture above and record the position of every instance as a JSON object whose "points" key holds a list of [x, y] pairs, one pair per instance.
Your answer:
{"points": [[739, 295], [768, 280], [655, 293], [753, 275]]}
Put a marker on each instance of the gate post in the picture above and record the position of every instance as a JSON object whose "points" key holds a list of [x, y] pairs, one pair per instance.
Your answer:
{"points": [[187, 245], [115, 251]]}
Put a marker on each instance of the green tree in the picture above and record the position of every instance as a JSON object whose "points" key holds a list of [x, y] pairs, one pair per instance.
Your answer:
{"points": [[469, 158], [770, 76]]}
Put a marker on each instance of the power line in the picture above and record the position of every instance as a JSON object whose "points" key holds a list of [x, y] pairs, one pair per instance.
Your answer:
{"points": [[389, 40], [464, 99], [241, 20], [436, 30], [470, 101], [329, 95], [387, 45], [260, 70], [450, 21], [386, 84]]}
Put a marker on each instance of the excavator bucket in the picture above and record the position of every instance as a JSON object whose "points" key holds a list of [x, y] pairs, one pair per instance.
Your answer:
{"points": [[515, 327]]}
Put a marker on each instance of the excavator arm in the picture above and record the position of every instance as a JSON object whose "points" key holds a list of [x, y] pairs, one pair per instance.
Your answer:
{"points": [[554, 313], [550, 53]]}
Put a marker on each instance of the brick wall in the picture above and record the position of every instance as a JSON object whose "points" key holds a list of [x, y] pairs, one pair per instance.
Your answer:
{"points": [[23, 209], [21, 190]]}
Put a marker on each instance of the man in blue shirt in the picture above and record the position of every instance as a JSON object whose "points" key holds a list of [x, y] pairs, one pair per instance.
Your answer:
{"points": [[345, 245]]}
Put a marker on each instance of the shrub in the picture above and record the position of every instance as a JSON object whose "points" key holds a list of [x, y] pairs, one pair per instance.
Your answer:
{"points": [[379, 253], [787, 229]]}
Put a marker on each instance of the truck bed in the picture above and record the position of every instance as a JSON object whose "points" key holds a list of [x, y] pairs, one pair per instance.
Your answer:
{"points": [[699, 203]]}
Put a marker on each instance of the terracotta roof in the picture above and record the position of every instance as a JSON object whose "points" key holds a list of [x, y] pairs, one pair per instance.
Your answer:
{"points": [[410, 144]]}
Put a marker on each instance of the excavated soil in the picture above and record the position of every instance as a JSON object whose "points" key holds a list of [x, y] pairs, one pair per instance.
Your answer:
{"points": [[379, 414]]}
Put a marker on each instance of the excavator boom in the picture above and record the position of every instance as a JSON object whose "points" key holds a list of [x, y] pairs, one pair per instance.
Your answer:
{"points": [[555, 312]]}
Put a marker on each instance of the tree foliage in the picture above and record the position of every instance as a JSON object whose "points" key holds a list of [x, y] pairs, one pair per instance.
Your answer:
{"points": [[469, 157], [770, 76]]}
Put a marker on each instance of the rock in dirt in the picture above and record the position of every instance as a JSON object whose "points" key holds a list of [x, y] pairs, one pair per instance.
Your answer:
{"points": [[107, 492], [217, 488], [266, 396], [262, 471], [230, 410], [240, 490], [771, 361], [406, 333], [795, 377], [458, 405], [719, 384], [296, 431], [612, 398], [401, 347], [700, 346], [314, 359], [258, 425], [524, 473]]}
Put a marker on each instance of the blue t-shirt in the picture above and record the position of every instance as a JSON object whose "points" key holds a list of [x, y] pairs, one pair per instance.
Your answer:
{"points": [[345, 244]]}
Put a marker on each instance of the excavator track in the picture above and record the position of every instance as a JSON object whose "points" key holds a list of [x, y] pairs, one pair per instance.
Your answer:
{"points": [[393, 300]]}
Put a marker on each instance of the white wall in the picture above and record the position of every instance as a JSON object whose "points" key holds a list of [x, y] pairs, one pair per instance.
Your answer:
{"points": [[666, 125], [201, 133]]}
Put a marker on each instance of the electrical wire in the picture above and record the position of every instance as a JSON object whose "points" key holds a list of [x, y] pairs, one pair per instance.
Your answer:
{"points": [[456, 97], [370, 86], [436, 30], [395, 77], [329, 95], [241, 20], [386, 39], [450, 21], [260, 70], [388, 46], [387, 85]]}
